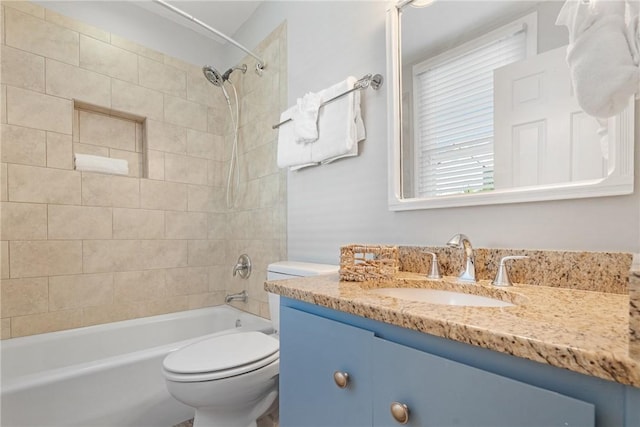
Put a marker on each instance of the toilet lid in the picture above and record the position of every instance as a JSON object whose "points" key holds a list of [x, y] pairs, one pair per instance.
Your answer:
{"points": [[238, 352]]}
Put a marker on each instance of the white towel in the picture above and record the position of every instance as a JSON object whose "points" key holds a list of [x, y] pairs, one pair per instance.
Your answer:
{"points": [[291, 153], [340, 124], [600, 60], [89, 163], [305, 118]]}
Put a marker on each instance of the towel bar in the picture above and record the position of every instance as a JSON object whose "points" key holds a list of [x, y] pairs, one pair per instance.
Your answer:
{"points": [[373, 80]]}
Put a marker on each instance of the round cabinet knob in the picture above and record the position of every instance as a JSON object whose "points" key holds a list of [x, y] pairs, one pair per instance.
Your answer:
{"points": [[400, 412], [341, 379]]}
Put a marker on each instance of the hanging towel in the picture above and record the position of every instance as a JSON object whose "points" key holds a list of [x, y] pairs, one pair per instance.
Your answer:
{"points": [[89, 163], [340, 124], [305, 118], [360, 133], [600, 60], [290, 153]]}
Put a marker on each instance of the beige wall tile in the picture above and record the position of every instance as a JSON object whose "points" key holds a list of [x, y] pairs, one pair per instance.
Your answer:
{"points": [[185, 225], [79, 222], [94, 150], [200, 198], [206, 252], [70, 82], [166, 137], [24, 296], [82, 290], [132, 98], [23, 145], [45, 322], [74, 25], [262, 160], [130, 255], [38, 111], [138, 224], [185, 113], [165, 305], [22, 69], [107, 131], [43, 185], [59, 151], [216, 119], [164, 78], [26, 7], [34, 35], [110, 313], [107, 59], [3, 103], [163, 195], [45, 258], [4, 192], [218, 225], [5, 324], [4, 260], [217, 173], [219, 277], [23, 221], [139, 137], [187, 281], [139, 285], [155, 164], [109, 190], [136, 48], [191, 170], [182, 65], [205, 145], [210, 299], [201, 91]]}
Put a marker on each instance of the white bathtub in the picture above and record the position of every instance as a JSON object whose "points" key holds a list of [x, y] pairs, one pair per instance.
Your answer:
{"points": [[106, 375]]}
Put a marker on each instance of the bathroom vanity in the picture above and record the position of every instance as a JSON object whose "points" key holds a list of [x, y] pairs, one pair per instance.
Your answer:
{"points": [[351, 357]]}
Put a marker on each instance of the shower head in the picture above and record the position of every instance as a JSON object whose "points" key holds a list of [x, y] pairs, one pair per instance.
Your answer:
{"points": [[227, 73], [213, 75]]}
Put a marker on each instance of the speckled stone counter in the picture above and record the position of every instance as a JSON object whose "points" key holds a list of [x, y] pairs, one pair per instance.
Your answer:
{"points": [[584, 331]]}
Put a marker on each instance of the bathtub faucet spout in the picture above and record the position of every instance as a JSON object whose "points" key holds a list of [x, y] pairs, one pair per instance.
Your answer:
{"points": [[240, 296]]}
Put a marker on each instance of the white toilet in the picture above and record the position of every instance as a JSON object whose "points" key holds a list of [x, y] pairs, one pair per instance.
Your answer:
{"points": [[231, 380]]}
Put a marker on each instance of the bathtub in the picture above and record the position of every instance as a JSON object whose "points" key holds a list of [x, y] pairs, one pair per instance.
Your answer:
{"points": [[106, 375]]}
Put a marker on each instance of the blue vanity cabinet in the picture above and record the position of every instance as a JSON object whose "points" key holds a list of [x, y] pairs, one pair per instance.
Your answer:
{"points": [[312, 350], [442, 382], [440, 392]]}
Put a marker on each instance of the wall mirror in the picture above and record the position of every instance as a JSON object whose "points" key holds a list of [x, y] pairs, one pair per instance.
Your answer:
{"points": [[482, 109]]}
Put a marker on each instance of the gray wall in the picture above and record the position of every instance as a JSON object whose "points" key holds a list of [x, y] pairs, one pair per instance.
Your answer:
{"points": [[346, 202]]}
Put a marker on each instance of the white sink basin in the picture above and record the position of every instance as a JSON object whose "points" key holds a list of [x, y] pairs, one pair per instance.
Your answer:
{"points": [[435, 296]]}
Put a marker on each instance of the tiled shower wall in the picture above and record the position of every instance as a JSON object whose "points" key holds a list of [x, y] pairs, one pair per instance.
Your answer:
{"points": [[83, 248]]}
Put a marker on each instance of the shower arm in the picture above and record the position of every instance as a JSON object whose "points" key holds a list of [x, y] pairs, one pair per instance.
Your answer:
{"points": [[259, 66]]}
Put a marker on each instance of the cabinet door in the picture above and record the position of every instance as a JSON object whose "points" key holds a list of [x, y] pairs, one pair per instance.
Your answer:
{"points": [[312, 348], [440, 392]]}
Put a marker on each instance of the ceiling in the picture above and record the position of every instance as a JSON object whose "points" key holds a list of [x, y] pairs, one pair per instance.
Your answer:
{"points": [[225, 16]]}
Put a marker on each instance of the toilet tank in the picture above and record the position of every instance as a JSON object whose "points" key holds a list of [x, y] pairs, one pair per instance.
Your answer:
{"points": [[287, 270]]}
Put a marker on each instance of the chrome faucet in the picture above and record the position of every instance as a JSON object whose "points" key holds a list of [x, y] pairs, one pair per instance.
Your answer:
{"points": [[469, 272], [243, 266], [240, 296]]}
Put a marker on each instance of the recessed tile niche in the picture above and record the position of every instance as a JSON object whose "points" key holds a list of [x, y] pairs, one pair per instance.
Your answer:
{"points": [[108, 133]]}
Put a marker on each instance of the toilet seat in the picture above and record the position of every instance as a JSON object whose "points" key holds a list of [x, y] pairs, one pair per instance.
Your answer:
{"points": [[221, 357]]}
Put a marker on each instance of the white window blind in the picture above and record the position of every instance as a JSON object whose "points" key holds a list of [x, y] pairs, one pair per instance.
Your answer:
{"points": [[453, 122]]}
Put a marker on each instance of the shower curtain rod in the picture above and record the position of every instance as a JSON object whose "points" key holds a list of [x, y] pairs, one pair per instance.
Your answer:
{"points": [[259, 66]]}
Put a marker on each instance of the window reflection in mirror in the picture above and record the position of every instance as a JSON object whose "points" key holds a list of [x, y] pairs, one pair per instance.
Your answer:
{"points": [[487, 103]]}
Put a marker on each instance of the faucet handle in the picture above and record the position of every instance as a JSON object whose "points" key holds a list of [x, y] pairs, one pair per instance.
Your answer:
{"points": [[502, 277], [434, 274]]}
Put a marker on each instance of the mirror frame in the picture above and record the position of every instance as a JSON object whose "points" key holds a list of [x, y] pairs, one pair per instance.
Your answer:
{"points": [[618, 182]]}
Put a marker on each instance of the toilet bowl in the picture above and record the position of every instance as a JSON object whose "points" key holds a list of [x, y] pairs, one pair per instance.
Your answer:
{"points": [[231, 380]]}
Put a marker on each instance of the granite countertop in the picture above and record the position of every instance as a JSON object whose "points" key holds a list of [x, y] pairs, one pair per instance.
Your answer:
{"points": [[583, 331]]}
